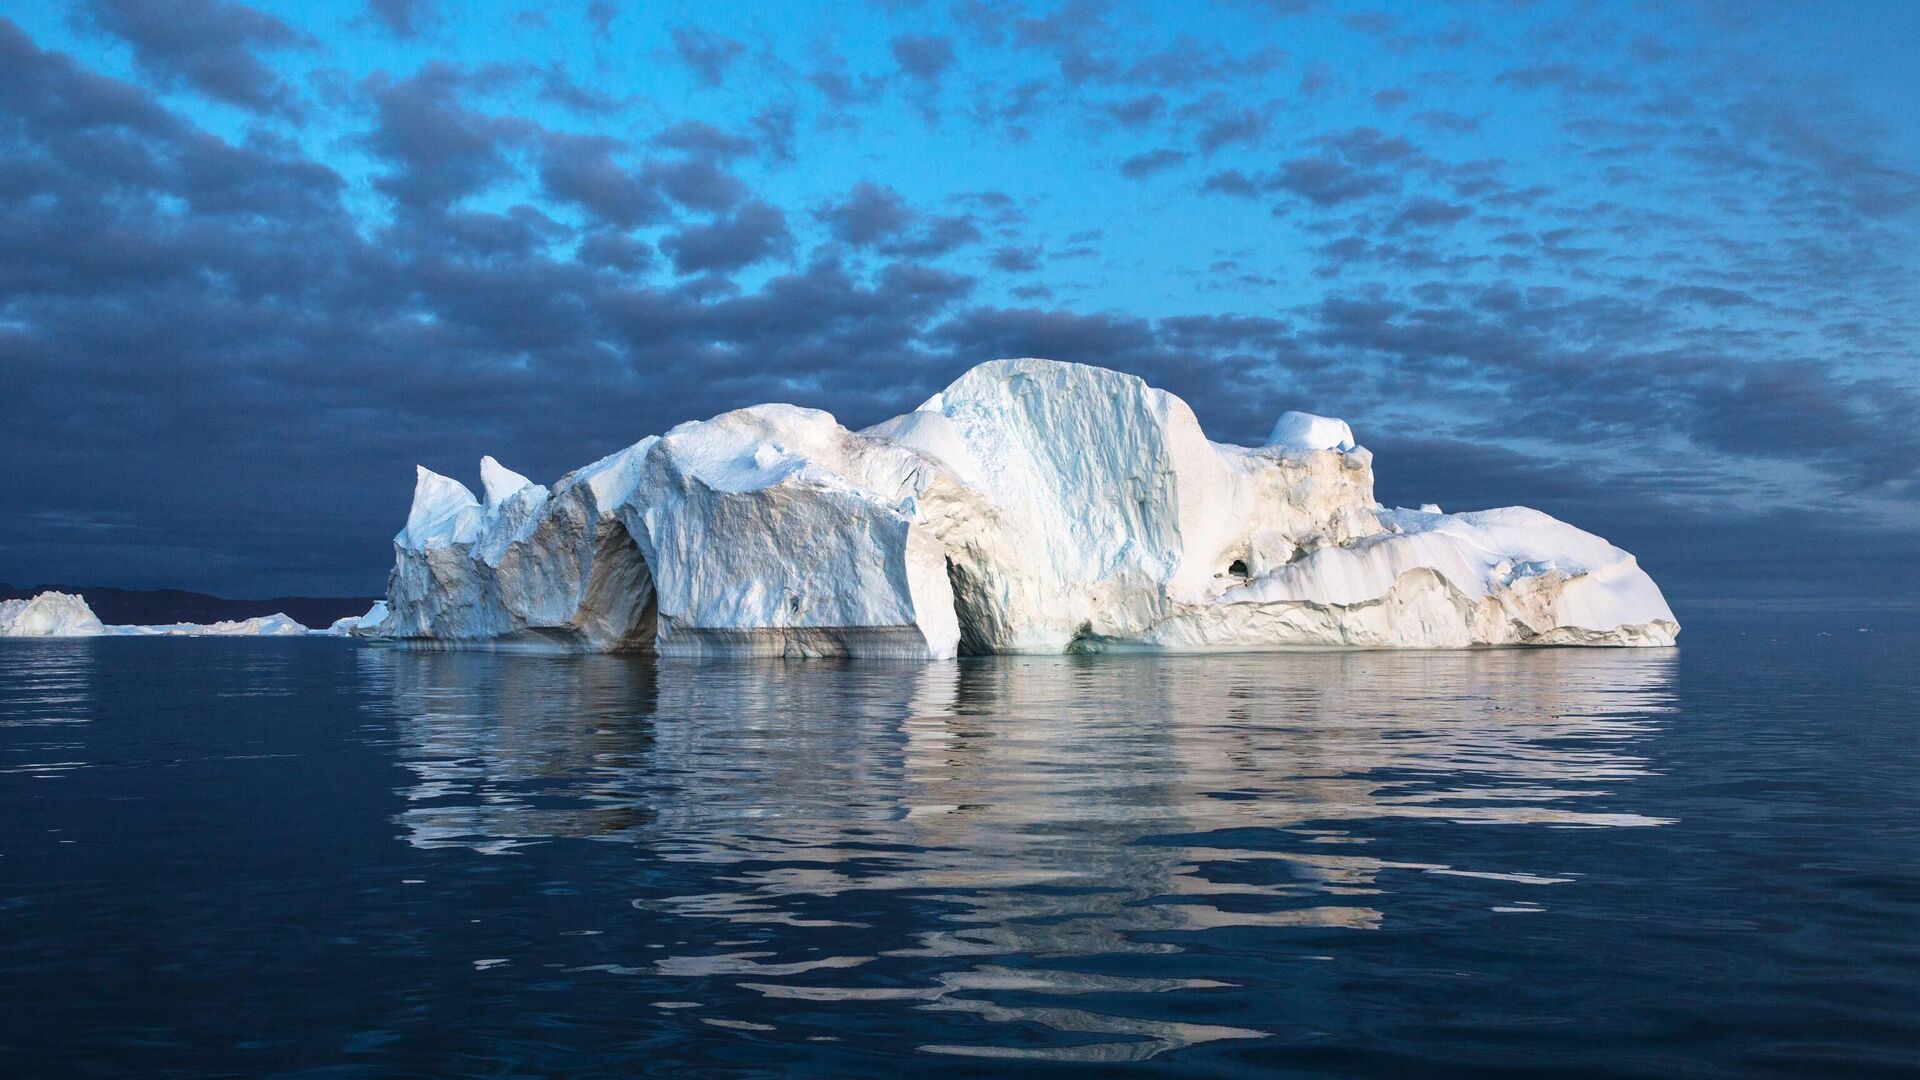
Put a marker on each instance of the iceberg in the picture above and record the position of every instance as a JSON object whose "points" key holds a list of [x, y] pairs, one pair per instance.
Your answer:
{"points": [[50, 614], [1032, 506], [58, 614], [276, 625], [368, 625]]}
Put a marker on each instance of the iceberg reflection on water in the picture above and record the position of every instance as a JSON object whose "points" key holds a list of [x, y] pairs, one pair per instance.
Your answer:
{"points": [[986, 836]]}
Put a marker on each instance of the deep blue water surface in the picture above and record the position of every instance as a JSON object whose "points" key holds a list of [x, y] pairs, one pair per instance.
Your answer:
{"points": [[311, 858]]}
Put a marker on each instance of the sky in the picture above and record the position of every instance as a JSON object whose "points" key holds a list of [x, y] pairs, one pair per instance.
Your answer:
{"points": [[1652, 268]]}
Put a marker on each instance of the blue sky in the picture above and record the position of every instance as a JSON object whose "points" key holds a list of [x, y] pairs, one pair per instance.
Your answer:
{"points": [[1650, 267]]}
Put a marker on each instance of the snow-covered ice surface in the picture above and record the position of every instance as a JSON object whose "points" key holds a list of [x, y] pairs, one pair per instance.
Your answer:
{"points": [[57, 614], [1031, 506]]}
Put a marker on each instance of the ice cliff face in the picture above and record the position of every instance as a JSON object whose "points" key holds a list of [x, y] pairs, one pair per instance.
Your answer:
{"points": [[1032, 506]]}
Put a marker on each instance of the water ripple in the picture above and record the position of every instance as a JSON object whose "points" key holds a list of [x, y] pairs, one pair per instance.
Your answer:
{"points": [[1000, 834]]}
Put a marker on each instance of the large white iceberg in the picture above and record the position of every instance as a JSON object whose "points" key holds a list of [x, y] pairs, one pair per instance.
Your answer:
{"points": [[1031, 506]]}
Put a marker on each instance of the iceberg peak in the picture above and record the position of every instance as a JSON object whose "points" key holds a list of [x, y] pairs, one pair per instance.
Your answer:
{"points": [[1300, 433], [499, 482], [443, 509]]}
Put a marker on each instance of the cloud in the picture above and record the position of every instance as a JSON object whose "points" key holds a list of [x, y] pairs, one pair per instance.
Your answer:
{"points": [[403, 18], [754, 233], [701, 139], [1326, 180], [1146, 164], [438, 150], [600, 15], [207, 45], [706, 53], [1708, 295], [1080, 38], [1246, 125], [922, 57], [870, 213], [878, 217], [560, 88], [1016, 260], [582, 170], [1136, 112], [616, 251], [1425, 212], [1450, 122], [1566, 77]]}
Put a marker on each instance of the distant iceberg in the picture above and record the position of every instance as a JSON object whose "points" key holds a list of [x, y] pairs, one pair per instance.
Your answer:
{"points": [[60, 615], [50, 614], [1031, 506], [367, 625], [276, 625]]}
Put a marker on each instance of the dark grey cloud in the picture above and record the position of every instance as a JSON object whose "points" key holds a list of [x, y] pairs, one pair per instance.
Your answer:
{"points": [[1231, 182], [754, 233], [1450, 122], [404, 18], [1234, 126], [582, 170], [600, 15], [1709, 295], [561, 89], [1135, 112], [841, 88], [878, 217], [616, 250], [708, 54], [701, 139], [1568, 78], [1326, 180], [870, 213], [1016, 260], [1427, 212], [776, 126], [1081, 38], [1152, 161], [699, 183], [1343, 167], [210, 46], [923, 57], [438, 149]]}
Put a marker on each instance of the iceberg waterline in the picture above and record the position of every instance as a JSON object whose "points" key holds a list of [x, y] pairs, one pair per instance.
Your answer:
{"points": [[1031, 506]]}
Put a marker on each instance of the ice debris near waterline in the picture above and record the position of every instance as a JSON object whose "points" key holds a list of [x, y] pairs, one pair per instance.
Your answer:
{"points": [[1032, 506], [58, 614]]}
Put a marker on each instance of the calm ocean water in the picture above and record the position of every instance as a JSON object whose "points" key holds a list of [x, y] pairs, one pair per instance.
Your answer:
{"points": [[311, 858]]}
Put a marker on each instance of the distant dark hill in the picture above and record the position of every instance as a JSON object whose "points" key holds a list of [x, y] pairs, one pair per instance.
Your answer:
{"points": [[125, 606]]}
